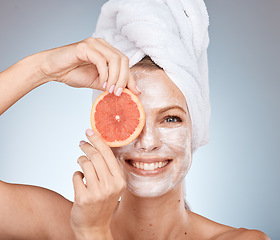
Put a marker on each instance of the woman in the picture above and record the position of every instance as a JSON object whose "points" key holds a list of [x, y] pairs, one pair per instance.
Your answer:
{"points": [[152, 201]]}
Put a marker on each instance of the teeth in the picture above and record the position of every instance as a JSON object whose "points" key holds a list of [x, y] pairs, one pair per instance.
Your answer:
{"points": [[148, 166], [156, 165]]}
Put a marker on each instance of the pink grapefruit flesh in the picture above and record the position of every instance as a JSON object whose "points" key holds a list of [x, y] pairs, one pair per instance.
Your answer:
{"points": [[118, 120]]}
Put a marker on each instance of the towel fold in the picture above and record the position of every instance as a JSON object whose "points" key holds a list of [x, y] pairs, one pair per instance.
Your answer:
{"points": [[174, 33]]}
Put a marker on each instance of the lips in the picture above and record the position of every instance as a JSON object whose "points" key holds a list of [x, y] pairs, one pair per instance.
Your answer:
{"points": [[148, 166]]}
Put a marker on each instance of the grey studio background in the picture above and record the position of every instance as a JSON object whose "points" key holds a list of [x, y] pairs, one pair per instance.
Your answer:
{"points": [[234, 180]]}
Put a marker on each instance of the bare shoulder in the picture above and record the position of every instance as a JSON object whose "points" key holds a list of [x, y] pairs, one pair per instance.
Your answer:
{"points": [[29, 212], [243, 234], [210, 230]]}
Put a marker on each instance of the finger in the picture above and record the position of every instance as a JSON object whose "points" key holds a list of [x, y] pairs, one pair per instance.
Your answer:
{"points": [[108, 45], [87, 53], [78, 184], [114, 66], [123, 76], [113, 58], [121, 81], [89, 172], [129, 78], [131, 84], [97, 160], [106, 151]]}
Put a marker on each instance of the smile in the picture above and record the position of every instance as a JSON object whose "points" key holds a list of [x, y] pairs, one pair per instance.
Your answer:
{"points": [[148, 166]]}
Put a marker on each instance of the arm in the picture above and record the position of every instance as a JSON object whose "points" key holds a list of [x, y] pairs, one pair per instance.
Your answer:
{"points": [[29, 212], [90, 63], [20, 79]]}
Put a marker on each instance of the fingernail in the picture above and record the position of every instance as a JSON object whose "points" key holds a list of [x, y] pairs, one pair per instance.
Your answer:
{"points": [[82, 143], [104, 85], [138, 89], [89, 132], [111, 89], [119, 91]]}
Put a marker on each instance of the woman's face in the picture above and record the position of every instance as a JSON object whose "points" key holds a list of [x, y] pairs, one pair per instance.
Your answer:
{"points": [[160, 157]]}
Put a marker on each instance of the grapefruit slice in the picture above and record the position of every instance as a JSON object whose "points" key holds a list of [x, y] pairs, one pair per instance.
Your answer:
{"points": [[118, 120]]}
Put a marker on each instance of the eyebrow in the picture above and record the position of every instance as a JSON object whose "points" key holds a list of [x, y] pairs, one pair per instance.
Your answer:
{"points": [[172, 107]]}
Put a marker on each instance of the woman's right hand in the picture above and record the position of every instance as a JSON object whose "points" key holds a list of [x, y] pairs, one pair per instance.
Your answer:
{"points": [[91, 63], [96, 199]]}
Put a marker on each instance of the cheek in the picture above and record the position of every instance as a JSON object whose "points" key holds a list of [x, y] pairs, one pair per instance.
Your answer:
{"points": [[120, 152], [177, 139]]}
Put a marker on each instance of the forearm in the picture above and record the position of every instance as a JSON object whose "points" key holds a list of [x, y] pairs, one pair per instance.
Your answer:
{"points": [[19, 79]]}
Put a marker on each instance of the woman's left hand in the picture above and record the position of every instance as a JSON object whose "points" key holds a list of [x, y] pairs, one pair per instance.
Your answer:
{"points": [[96, 199]]}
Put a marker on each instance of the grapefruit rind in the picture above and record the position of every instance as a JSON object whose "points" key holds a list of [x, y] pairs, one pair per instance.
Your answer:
{"points": [[138, 129]]}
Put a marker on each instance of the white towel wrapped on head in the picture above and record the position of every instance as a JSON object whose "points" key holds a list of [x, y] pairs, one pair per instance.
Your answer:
{"points": [[174, 33]]}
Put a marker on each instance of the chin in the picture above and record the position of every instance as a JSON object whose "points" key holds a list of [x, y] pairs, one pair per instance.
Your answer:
{"points": [[148, 192], [152, 186]]}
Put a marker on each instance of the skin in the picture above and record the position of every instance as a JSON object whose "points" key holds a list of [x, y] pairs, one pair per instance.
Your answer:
{"points": [[91, 63], [166, 135], [29, 212]]}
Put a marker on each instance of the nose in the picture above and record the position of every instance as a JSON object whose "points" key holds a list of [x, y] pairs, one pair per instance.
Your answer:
{"points": [[149, 139]]}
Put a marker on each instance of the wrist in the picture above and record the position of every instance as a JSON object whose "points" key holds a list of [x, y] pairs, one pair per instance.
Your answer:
{"points": [[33, 66]]}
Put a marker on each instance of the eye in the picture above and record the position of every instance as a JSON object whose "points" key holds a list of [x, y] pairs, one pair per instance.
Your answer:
{"points": [[172, 119]]}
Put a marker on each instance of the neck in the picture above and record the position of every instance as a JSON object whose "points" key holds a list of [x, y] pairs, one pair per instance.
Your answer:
{"points": [[151, 217]]}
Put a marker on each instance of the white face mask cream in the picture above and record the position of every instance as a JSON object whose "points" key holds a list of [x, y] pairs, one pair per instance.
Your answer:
{"points": [[160, 157]]}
